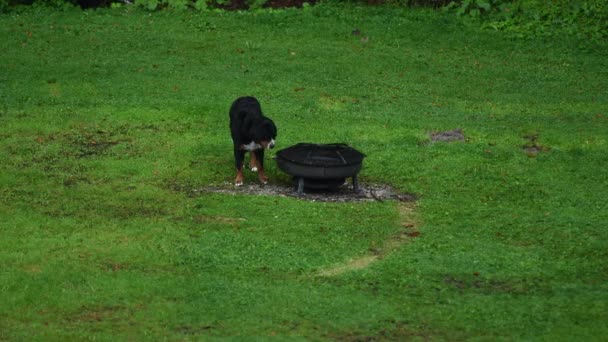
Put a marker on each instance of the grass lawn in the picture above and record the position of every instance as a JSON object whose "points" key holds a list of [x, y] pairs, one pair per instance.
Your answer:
{"points": [[109, 119]]}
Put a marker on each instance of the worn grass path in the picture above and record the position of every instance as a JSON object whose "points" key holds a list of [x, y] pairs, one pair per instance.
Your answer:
{"points": [[111, 120]]}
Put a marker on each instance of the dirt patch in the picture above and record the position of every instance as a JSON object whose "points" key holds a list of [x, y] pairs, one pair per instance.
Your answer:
{"points": [[532, 148], [391, 330], [112, 266], [111, 313], [367, 192], [235, 5], [409, 231], [532, 151], [193, 330], [478, 283], [453, 135], [218, 219], [83, 142], [351, 265]]}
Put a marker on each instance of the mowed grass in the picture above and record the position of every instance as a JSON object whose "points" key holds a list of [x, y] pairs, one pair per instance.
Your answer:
{"points": [[112, 121]]}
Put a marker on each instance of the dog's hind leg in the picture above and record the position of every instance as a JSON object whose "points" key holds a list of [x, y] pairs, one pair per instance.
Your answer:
{"points": [[239, 157]]}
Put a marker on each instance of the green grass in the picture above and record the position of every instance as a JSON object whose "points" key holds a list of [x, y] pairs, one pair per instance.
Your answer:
{"points": [[109, 119]]}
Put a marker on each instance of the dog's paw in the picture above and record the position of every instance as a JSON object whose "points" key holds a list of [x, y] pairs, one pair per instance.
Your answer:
{"points": [[238, 183]]}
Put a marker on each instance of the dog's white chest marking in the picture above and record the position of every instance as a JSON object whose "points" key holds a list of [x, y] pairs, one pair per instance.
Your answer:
{"points": [[252, 146]]}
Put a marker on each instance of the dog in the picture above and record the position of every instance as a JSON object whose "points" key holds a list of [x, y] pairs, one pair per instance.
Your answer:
{"points": [[251, 132]]}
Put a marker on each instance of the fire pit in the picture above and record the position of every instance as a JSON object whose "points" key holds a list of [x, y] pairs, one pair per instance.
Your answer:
{"points": [[320, 166]]}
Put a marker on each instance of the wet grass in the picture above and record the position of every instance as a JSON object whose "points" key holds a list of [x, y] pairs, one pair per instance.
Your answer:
{"points": [[109, 119]]}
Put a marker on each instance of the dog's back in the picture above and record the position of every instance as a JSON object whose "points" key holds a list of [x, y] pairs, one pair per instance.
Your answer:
{"points": [[243, 112], [243, 108]]}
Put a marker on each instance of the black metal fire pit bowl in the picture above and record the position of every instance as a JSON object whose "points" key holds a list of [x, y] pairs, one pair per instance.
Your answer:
{"points": [[320, 166]]}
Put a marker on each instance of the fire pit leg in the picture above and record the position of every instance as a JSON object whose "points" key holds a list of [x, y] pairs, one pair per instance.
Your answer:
{"points": [[300, 186], [355, 184]]}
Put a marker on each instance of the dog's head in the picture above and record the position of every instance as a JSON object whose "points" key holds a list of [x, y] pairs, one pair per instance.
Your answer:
{"points": [[265, 133]]}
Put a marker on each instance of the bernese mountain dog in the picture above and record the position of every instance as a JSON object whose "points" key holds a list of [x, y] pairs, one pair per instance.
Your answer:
{"points": [[251, 132]]}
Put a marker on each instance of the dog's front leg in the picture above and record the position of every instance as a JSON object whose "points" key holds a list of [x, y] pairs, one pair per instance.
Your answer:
{"points": [[253, 163], [259, 158], [239, 157]]}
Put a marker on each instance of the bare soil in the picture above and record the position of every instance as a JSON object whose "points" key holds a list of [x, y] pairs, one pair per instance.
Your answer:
{"points": [[532, 147], [235, 5], [367, 192], [453, 135]]}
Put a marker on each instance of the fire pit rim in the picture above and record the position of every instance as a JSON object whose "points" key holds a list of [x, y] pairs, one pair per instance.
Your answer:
{"points": [[334, 147]]}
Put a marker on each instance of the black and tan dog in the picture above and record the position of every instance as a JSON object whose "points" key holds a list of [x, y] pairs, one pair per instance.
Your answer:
{"points": [[251, 132]]}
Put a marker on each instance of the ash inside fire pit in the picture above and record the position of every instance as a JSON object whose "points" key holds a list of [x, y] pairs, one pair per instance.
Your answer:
{"points": [[320, 166]]}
